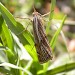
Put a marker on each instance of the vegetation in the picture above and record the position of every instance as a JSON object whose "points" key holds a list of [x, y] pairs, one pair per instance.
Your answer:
{"points": [[17, 52]]}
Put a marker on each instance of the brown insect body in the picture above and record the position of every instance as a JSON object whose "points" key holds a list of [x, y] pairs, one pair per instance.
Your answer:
{"points": [[41, 42]]}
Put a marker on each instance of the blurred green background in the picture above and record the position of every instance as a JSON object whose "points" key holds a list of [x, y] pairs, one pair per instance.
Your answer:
{"points": [[17, 52]]}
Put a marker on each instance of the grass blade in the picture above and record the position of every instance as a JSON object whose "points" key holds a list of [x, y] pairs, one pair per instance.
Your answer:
{"points": [[53, 41]]}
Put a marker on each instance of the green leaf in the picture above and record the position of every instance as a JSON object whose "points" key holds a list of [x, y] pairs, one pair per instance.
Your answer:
{"points": [[53, 4], [15, 27], [15, 67], [6, 36], [60, 69], [7, 41], [53, 41]]}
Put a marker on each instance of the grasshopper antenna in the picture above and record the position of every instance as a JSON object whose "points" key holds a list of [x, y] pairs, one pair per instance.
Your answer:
{"points": [[34, 8]]}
